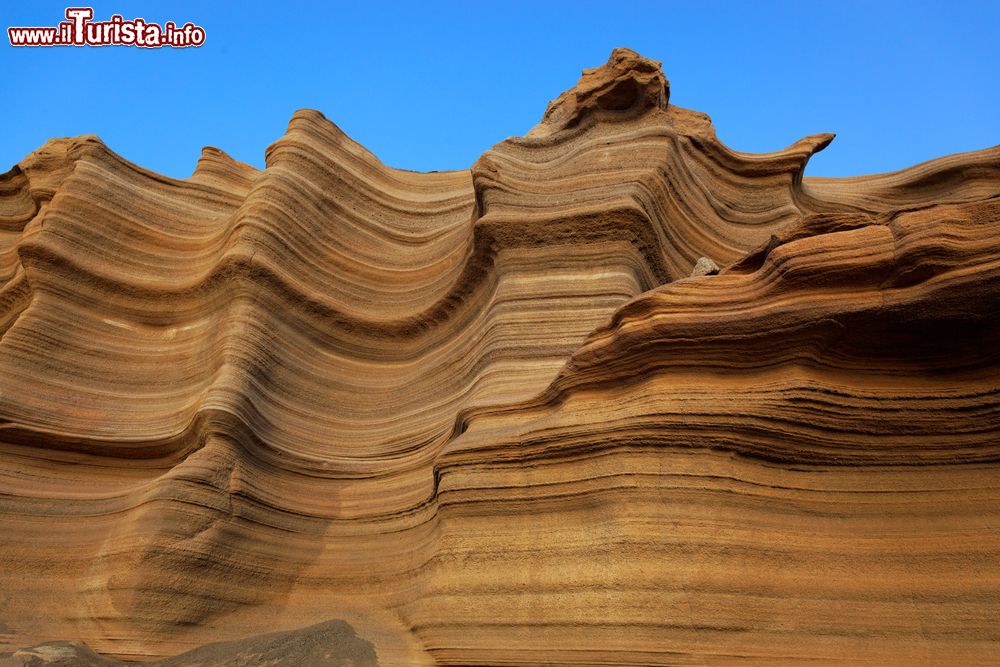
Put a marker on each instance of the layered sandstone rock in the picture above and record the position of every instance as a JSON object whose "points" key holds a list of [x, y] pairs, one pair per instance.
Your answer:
{"points": [[490, 416]]}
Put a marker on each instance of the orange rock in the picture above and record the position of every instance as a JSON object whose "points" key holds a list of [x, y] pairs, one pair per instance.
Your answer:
{"points": [[484, 417]]}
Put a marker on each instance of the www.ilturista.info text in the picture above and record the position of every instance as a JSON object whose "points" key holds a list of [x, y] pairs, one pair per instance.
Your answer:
{"points": [[80, 30]]}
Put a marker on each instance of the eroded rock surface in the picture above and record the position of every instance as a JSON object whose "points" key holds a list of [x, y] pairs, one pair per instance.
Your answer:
{"points": [[487, 416], [332, 643]]}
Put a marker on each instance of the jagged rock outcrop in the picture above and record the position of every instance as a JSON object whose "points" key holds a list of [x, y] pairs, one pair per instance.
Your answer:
{"points": [[489, 416]]}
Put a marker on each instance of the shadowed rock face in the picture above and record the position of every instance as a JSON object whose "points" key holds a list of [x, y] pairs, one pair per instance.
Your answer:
{"points": [[503, 415]]}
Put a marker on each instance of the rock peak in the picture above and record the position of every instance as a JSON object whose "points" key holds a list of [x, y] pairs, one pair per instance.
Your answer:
{"points": [[626, 84]]}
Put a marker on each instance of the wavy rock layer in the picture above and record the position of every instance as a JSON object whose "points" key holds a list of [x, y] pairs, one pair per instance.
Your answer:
{"points": [[486, 417]]}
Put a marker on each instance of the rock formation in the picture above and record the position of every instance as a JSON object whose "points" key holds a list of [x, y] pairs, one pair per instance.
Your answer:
{"points": [[490, 416]]}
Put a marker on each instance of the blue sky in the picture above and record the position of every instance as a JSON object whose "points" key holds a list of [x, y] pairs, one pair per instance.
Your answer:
{"points": [[431, 85]]}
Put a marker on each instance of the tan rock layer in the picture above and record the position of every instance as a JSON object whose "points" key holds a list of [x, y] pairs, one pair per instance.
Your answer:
{"points": [[485, 417]]}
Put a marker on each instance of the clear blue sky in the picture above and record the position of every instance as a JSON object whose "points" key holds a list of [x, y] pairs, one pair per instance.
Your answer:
{"points": [[431, 85]]}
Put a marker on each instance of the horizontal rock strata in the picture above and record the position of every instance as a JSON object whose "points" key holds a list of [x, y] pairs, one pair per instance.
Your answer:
{"points": [[515, 414]]}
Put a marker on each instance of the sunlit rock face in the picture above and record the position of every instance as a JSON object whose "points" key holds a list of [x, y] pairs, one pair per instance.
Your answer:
{"points": [[617, 394]]}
